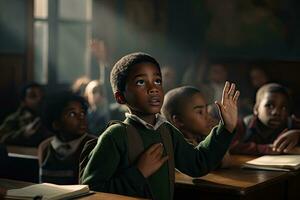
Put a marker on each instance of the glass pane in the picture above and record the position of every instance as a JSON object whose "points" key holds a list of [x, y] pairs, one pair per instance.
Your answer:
{"points": [[75, 9], [41, 51], [73, 54], [40, 8]]}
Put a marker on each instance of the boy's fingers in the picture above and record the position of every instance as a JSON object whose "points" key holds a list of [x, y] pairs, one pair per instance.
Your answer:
{"points": [[154, 148], [220, 111], [277, 142], [231, 90], [225, 91], [283, 145], [236, 96], [164, 159], [289, 147], [158, 152]]}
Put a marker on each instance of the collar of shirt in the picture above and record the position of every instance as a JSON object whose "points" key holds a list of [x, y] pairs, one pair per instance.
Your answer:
{"points": [[66, 148], [159, 121]]}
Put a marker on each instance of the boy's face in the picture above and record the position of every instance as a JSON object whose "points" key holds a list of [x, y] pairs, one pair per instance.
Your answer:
{"points": [[195, 118], [96, 97], [73, 121], [143, 91], [272, 110], [33, 98]]}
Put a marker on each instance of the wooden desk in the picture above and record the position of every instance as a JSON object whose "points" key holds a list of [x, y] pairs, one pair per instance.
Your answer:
{"points": [[31, 151], [6, 184], [234, 183]]}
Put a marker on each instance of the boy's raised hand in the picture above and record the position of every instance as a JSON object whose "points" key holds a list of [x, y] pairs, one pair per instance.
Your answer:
{"points": [[151, 160], [228, 106]]}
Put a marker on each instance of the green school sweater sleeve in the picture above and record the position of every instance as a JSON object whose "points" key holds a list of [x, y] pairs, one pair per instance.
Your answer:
{"points": [[198, 161], [108, 169]]}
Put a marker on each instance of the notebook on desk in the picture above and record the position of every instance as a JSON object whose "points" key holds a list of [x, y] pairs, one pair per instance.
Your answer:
{"points": [[48, 191], [275, 162]]}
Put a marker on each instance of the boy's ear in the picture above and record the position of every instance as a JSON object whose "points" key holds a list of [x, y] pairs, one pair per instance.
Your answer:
{"points": [[120, 97], [177, 121], [55, 125], [255, 110]]}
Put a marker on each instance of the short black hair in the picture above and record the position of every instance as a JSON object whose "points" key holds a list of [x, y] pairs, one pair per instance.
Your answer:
{"points": [[27, 86], [121, 69], [273, 88], [175, 99], [55, 104]]}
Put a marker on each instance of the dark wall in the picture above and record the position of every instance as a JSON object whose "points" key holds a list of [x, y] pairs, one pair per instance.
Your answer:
{"points": [[13, 52]]}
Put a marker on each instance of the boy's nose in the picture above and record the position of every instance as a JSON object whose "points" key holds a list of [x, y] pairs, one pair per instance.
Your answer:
{"points": [[153, 90], [276, 111]]}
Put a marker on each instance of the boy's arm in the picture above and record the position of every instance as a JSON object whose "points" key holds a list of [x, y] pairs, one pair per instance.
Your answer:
{"points": [[206, 156], [104, 172]]}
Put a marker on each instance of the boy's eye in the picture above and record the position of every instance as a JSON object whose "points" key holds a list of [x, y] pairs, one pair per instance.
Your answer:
{"points": [[158, 81], [284, 108], [72, 114], [140, 82], [200, 112], [270, 106], [82, 114]]}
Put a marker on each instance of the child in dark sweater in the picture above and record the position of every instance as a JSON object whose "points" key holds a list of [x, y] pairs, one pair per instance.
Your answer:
{"points": [[65, 115], [270, 130]]}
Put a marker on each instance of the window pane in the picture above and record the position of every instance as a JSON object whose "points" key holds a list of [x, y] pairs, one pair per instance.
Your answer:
{"points": [[75, 9], [40, 8], [41, 51], [73, 51]]}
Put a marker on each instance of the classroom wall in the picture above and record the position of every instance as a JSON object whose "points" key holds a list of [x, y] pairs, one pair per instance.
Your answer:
{"points": [[13, 52]]}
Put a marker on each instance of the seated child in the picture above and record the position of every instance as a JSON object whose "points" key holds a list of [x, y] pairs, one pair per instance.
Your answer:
{"points": [[65, 115], [186, 108], [98, 112], [136, 82], [269, 130], [24, 127]]}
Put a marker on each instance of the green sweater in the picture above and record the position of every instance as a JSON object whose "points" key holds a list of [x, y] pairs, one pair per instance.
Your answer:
{"points": [[109, 170]]}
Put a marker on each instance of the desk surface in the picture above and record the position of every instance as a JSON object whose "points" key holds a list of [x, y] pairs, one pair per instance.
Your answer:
{"points": [[6, 184], [233, 180], [30, 151]]}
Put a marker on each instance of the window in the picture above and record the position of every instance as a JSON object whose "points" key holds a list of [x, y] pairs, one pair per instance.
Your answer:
{"points": [[62, 29]]}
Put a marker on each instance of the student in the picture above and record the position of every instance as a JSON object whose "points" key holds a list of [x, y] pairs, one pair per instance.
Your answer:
{"points": [[136, 81], [24, 127], [269, 130], [186, 108], [98, 112], [65, 115]]}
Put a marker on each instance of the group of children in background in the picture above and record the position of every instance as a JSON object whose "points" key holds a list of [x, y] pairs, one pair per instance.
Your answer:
{"points": [[197, 140]]}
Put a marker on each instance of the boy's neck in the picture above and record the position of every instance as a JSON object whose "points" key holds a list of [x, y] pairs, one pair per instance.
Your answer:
{"points": [[149, 118], [266, 130]]}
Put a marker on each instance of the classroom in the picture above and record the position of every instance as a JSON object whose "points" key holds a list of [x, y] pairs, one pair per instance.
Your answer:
{"points": [[159, 99]]}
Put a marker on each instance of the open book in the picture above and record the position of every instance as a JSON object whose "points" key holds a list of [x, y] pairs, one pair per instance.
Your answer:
{"points": [[48, 191], [275, 162]]}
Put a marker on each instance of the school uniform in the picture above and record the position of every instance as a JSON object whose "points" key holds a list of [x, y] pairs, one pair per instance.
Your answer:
{"points": [[60, 161], [109, 169]]}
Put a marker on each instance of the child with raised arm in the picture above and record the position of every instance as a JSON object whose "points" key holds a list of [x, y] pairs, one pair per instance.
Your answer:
{"points": [[186, 108], [269, 130], [136, 81]]}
